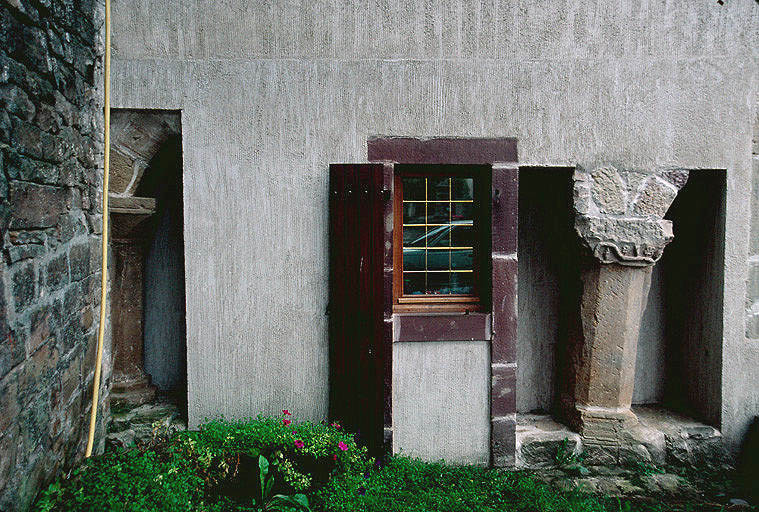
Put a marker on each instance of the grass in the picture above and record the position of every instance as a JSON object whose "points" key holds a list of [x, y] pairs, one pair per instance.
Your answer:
{"points": [[216, 469], [410, 485]]}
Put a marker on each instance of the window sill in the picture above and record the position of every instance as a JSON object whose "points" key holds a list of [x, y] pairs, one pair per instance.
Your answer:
{"points": [[441, 326]]}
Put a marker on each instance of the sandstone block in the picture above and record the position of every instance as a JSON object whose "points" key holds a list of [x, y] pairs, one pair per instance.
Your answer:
{"points": [[609, 191], [57, 273], [79, 257], [654, 198], [36, 206]]}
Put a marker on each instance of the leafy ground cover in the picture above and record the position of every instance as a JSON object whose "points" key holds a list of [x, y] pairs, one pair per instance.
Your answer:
{"points": [[278, 464]]}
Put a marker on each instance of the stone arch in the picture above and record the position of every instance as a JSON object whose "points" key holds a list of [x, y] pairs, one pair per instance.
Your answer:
{"points": [[136, 138]]}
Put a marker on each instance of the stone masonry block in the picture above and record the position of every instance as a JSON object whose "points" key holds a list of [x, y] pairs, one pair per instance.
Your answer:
{"points": [[654, 198], [56, 273], [504, 215], [36, 206], [40, 329], [79, 258], [38, 144], [503, 347], [503, 390], [503, 441], [24, 287], [609, 191]]}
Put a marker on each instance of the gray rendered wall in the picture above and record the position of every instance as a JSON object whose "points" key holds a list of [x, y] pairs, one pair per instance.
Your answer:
{"points": [[650, 362], [271, 93], [441, 396]]}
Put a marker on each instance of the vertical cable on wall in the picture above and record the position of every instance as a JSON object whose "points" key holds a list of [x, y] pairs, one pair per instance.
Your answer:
{"points": [[104, 247]]}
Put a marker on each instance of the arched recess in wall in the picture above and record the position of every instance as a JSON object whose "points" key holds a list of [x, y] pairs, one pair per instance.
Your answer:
{"points": [[148, 287]]}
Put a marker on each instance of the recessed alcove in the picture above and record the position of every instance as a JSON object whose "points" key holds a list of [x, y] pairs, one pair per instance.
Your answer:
{"points": [[677, 390], [549, 283], [147, 241], [679, 356]]}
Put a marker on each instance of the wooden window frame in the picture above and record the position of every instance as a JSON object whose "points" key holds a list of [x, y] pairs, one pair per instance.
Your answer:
{"points": [[481, 240]]}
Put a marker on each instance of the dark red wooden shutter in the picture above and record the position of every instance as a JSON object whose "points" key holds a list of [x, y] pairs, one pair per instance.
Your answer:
{"points": [[356, 355]]}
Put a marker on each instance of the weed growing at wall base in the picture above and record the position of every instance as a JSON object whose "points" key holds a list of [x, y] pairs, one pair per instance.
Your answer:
{"points": [[215, 469], [256, 465]]}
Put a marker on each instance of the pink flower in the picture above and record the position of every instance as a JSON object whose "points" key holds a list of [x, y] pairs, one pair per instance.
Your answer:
{"points": [[336, 425], [299, 443], [286, 422], [286, 412], [342, 446], [334, 457], [295, 431]]}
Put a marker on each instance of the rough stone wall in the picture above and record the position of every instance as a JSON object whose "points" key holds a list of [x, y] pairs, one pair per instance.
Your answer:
{"points": [[51, 145]]}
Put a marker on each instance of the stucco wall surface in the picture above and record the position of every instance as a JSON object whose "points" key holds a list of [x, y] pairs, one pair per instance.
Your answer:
{"points": [[441, 400], [271, 93]]}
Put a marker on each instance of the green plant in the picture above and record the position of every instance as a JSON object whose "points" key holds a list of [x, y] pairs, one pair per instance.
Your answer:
{"points": [[409, 485], [564, 455], [128, 481], [211, 469], [645, 468], [276, 502], [566, 458]]}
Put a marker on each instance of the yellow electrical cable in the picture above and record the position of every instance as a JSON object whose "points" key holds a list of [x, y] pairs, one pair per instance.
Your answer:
{"points": [[104, 249]]}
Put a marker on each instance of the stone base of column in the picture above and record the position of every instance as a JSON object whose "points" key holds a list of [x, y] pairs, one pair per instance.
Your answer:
{"points": [[602, 423]]}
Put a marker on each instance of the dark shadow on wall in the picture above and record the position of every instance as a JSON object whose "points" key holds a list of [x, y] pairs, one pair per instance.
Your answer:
{"points": [[693, 272], [549, 283], [165, 326]]}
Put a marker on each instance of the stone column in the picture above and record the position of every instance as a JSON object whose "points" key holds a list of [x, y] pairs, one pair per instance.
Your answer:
{"points": [[619, 218], [129, 237]]}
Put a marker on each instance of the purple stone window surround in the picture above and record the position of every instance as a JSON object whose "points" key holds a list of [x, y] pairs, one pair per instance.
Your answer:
{"points": [[441, 327], [499, 325]]}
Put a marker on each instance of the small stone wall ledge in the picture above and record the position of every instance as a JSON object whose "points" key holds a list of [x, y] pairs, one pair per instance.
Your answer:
{"points": [[662, 437]]}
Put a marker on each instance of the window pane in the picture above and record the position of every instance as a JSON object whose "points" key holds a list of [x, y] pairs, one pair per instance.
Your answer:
{"points": [[413, 213], [414, 259], [461, 211], [461, 236], [439, 236], [413, 189], [462, 189], [439, 283], [438, 189], [413, 283], [414, 236], [438, 259], [462, 283], [462, 259], [438, 213]]}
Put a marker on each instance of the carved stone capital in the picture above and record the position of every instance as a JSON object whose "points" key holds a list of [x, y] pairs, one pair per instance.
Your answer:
{"points": [[619, 215]]}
